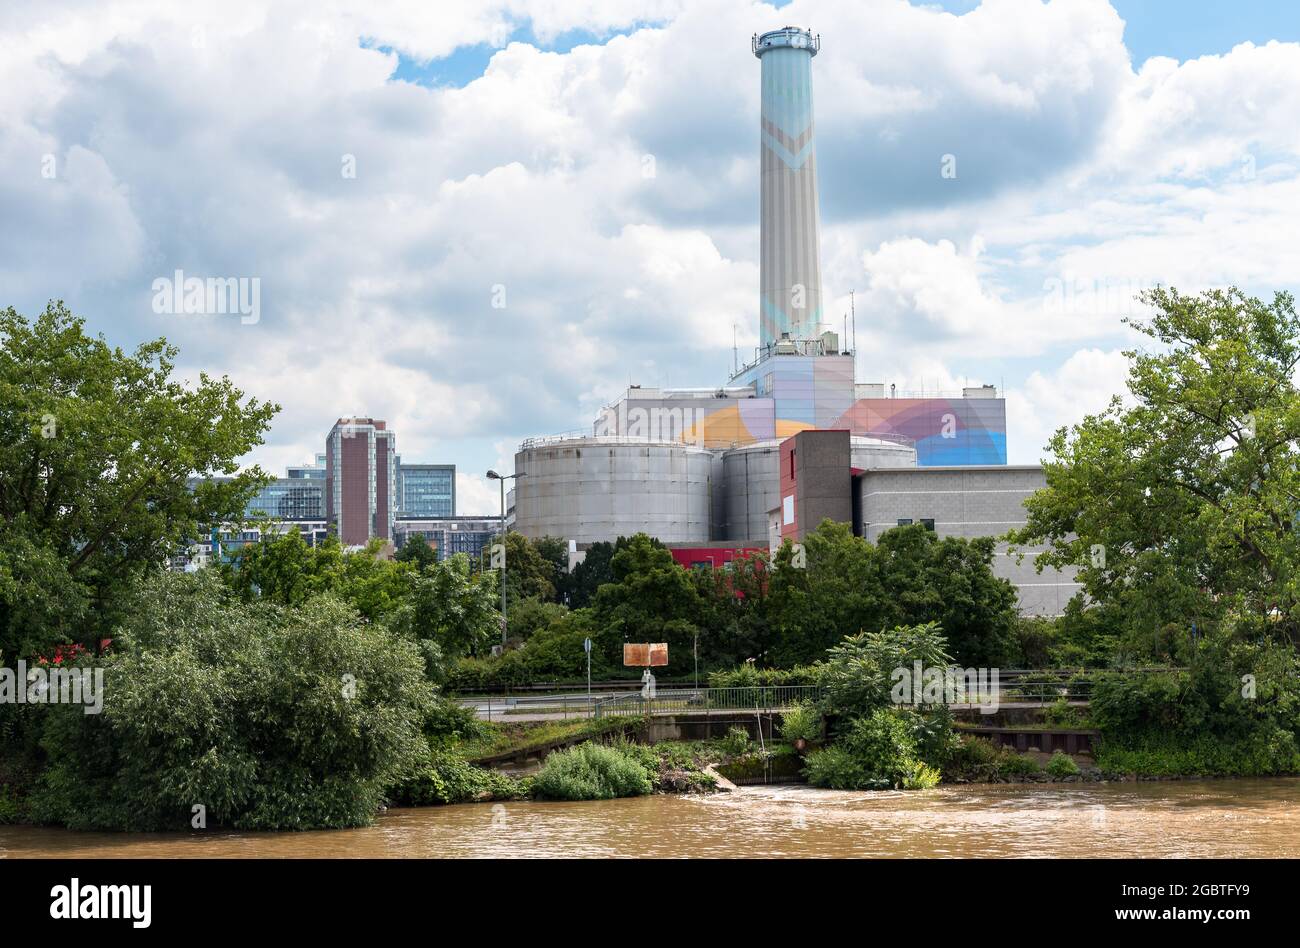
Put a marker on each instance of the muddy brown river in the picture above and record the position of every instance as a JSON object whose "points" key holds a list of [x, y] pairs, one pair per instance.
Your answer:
{"points": [[1223, 818]]}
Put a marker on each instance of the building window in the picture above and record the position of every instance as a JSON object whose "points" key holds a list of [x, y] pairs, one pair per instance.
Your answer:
{"points": [[904, 521], [928, 524]]}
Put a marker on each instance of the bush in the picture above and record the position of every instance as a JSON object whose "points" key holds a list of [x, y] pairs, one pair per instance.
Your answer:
{"points": [[1035, 637], [467, 675], [530, 615], [978, 760], [736, 743], [268, 717], [551, 653], [803, 722], [858, 672], [591, 772], [1264, 754], [921, 777], [876, 752], [11, 809], [747, 676], [1130, 706], [1063, 714], [933, 731], [446, 777], [973, 759], [1011, 764], [449, 721], [838, 768], [1062, 765]]}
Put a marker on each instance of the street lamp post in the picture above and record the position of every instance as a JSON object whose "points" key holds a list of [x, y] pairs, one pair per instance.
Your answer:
{"points": [[494, 476]]}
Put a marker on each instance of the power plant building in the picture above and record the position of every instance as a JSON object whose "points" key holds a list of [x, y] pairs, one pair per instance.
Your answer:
{"points": [[702, 466]]}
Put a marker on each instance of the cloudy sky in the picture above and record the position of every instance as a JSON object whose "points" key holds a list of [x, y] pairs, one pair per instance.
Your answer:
{"points": [[482, 223]]}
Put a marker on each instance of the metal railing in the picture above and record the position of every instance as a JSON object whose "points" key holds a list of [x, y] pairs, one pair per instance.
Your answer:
{"points": [[1048, 686], [669, 701]]}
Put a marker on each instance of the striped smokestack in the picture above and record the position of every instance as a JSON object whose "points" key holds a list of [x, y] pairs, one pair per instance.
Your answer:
{"points": [[790, 279]]}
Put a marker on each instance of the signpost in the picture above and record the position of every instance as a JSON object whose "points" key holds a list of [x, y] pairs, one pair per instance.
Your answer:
{"points": [[646, 655], [586, 647]]}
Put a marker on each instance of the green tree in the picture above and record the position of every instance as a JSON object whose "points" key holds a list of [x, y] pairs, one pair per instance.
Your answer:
{"points": [[857, 672], [735, 616], [592, 573], [836, 592], [418, 552], [528, 616], [269, 718], [451, 611], [528, 573], [1178, 503], [909, 577], [651, 599], [555, 551], [282, 568], [97, 447], [949, 581]]}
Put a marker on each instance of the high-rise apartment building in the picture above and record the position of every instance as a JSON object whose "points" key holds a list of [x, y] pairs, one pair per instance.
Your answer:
{"points": [[360, 480]]}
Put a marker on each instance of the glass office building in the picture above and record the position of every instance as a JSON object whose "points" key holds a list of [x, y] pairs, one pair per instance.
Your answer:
{"points": [[289, 498], [315, 472], [426, 491]]}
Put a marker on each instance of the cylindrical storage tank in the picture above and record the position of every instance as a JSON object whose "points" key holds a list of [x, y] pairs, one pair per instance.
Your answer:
{"points": [[751, 486], [868, 452], [590, 489]]}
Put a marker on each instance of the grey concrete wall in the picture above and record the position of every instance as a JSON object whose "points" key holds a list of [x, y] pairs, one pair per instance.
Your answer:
{"points": [[968, 502], [823, 480]]}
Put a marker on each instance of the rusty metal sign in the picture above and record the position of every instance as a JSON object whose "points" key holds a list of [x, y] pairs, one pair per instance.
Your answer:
{"points": [[645, 654]]}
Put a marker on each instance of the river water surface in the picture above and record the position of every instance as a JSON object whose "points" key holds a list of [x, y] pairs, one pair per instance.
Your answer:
{"points": [[1221, 818]]}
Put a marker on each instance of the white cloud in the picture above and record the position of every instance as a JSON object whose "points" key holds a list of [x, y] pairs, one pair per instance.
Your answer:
{"points": [[476, 495], [211, 137], [1082, 385]]}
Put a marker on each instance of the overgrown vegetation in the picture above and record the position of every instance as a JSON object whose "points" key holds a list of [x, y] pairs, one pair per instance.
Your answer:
{"points": [[1233, 711], [592, 772], [803, 722], [1061, 764], [264, 717], [876, 752], [446, 777]]}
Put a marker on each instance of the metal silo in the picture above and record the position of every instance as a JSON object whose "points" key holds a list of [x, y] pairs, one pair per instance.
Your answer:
{"points": [[790, 277], [751, 486], [589, 489], [881, 451]]}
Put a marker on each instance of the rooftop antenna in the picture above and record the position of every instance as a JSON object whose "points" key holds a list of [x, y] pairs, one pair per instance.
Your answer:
{"points": [[854, 314], [735, 351]]}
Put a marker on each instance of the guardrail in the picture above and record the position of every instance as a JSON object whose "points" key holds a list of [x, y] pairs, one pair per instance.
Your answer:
{"points": [[1047, 686], [670, 701]]}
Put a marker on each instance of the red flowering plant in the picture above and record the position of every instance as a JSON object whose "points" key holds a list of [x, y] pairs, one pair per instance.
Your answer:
{"points": [[69, 653]]}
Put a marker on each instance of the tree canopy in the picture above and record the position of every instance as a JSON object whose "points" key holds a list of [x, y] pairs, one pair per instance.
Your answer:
{"points": [[1178, 502], [97, 447]]}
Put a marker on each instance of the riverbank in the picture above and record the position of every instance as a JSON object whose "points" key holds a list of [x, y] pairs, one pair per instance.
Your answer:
{"points": [[1107, 820]]}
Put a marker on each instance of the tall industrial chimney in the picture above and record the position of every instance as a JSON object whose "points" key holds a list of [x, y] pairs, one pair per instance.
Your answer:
{"points": [[790, 277]]}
